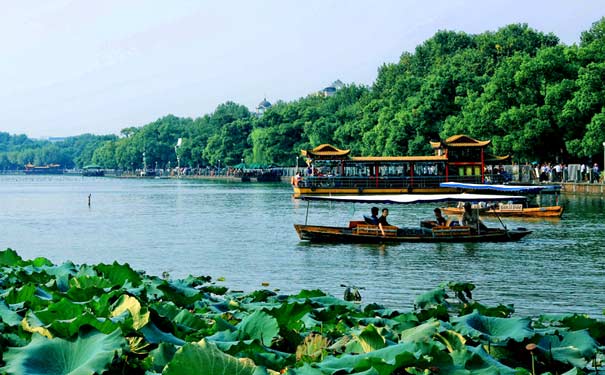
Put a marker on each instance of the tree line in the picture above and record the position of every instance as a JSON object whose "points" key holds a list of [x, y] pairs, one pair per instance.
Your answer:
{"points": [[534, 97]]}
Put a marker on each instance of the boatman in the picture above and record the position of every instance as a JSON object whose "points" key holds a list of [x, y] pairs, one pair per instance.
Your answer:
{"points": [[470, 218]]}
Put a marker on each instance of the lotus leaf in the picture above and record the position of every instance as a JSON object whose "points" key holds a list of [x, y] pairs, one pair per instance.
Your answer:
{"points": [[155, 336], [576, 348], [384, 360], [70, 327], [189, 321], [423, 332], [260, 326], [371, 340], [90, 353], [475, 361], [204, 358], [577, 322], [493, 330], [62, 310], [9, 257], [431, 299], [160, 356], [140, 315], [9, 316], [119, 274]]}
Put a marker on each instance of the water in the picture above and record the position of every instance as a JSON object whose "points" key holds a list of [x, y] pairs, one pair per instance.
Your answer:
{"points": [[243, 232]]}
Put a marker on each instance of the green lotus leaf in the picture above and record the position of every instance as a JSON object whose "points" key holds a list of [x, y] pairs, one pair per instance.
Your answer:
{"points": [[119, 274], [370, 339], [189, 321], [90, 353], [494, 330], [431, 299], [62, 310], [205, 358], [140, 315], [155, 336], [166, 310], [475, 361], [180, 293], [423, 332], [9, 316], [384, 360], [452, 340], [260, 326], [577, 347], [62, 274], [90, 282], [578, 322], [288, 315], [41, 261], [305, 293], [9, 257], [160, 356], [70, 327]]}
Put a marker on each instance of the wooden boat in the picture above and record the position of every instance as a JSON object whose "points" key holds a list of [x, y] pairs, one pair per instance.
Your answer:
{"points": [[509, 210], [362, 232], [506, 209]]}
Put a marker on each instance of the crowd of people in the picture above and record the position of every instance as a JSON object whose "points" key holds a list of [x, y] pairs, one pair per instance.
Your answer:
{"points": [[561, 172]]}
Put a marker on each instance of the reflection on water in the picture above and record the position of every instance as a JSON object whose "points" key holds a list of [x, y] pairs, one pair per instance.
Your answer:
{"points": [[244, 232]]}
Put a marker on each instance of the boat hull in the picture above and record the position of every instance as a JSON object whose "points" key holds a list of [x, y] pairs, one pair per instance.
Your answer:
{"points": [[327, 234], [548, 211]]}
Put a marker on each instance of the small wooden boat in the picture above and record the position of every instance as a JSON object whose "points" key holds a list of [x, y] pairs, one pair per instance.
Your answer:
{"points": [[509, 210], [506, 209], [362, 232]]}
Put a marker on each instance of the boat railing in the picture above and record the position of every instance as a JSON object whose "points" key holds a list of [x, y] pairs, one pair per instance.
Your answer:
{"points": [[363, 182]]}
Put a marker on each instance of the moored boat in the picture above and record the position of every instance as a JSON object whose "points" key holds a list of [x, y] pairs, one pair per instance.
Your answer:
{"points": [[506, 209], [509, 210], [363, 232]]}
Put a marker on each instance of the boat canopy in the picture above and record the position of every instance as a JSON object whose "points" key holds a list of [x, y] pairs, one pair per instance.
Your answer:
{"points": [[524, 189], [415, 198]]}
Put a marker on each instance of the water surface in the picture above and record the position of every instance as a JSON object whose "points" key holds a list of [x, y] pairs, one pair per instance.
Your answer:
{"points": [[243, 232]]}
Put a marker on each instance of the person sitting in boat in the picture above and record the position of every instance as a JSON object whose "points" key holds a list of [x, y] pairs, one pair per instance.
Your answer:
{"points": [[382, 220], [373, 219], [439, 220], [470, 218]]}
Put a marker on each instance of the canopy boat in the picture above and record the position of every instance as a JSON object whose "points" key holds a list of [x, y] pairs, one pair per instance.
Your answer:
{"points": [[508, 209], [363, 232]]}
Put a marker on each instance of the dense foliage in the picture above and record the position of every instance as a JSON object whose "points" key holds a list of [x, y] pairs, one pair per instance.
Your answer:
{"points": [[536, 98], [87, 319]]}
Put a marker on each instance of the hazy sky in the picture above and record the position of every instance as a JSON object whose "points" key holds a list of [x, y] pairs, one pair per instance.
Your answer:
{"points": [[73, 67]]}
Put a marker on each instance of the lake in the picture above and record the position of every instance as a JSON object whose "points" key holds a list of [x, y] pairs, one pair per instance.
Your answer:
{"points": [[244, 234]]}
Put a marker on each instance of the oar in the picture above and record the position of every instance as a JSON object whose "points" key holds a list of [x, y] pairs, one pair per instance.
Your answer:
{"points": [[500, 220]]}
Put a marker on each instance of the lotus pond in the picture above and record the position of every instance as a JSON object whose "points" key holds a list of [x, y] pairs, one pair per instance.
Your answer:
{"points": [[110, 318]]}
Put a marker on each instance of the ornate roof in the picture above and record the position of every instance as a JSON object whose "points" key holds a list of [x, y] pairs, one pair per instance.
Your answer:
{"points": [[325, 151], [460, 140]]}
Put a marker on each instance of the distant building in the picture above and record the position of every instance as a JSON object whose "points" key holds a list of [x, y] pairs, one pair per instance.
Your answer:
{"points": [[331, 90], [56, 139], [262, 106]]}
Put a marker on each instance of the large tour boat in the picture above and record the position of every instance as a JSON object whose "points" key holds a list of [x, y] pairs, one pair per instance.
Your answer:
{"points": [[459, 158], [43, 169]]}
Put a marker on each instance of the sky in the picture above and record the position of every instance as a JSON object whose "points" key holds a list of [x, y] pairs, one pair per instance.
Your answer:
{"points": [[69, 67]]}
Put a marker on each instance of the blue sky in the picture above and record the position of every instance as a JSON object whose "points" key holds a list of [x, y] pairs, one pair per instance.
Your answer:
{"points": [[73, 67]]}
